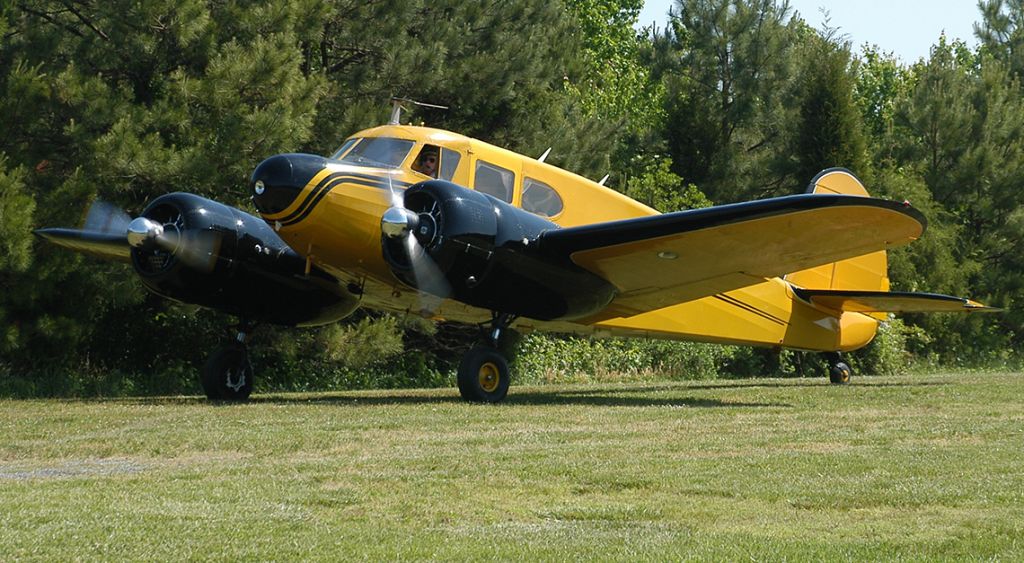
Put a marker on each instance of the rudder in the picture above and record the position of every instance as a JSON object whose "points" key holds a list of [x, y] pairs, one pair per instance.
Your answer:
{"points": [[869, 272]]}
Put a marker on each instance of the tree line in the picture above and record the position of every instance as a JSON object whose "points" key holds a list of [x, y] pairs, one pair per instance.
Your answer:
{"points": [[727, 100]]}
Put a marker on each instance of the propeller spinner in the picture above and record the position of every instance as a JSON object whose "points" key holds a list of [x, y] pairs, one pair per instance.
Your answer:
{"points": [[415, 231]]}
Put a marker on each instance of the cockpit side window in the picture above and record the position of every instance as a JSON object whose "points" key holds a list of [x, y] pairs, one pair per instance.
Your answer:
{"points": [[494, 180], [344, 148], [426, 162], [540, 198], [383, 152], [449, 163]]}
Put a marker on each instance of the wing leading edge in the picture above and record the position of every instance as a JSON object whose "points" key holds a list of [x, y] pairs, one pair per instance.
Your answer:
{"points": [[662, 260]]}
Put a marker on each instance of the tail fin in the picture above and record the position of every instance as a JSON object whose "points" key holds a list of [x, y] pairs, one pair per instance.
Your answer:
{"points": [[869, 272]]}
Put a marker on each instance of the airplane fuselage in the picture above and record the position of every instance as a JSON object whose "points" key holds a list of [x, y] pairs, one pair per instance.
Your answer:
{"points": [[332, 217]]}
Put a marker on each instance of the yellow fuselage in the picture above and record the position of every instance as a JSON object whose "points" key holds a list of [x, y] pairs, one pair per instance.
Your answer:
{"points": [[341, 234]]}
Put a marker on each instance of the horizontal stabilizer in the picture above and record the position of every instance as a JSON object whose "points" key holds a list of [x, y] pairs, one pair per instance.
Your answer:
{"points": [[102, 245], [890, 302]]}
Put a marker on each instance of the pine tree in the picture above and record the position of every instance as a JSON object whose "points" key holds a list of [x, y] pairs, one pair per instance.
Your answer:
{"points": [[828, 126], [726, 95]]}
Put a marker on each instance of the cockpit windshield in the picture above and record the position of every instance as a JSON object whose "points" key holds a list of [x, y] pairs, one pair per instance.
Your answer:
{"points": [[384, 152]]}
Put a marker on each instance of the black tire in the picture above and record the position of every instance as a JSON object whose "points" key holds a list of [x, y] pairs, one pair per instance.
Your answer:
{"points": [[839, 373], [483, 376], [227, 375]]}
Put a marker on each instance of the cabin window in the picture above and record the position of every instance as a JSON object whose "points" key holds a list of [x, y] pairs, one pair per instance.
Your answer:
{"points": [[449, 162], [426, 162], [540, 198], [494, 180], [344, 148], [382, 152]]}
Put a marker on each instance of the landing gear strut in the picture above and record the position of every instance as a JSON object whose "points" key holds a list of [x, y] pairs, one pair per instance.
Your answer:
{"points": [[483, 373], [838, 371], [227, 374]]}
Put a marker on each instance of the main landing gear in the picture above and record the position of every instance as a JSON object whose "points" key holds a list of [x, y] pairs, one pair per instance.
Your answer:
{"points": [[838, 371], [483, 373], [227, 374]]}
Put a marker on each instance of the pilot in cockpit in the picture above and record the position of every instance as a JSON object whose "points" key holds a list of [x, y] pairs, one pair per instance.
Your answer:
{"points": [[426, 162]]}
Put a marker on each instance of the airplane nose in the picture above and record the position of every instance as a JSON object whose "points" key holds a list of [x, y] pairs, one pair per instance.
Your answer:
{"points": [[278, 180]]}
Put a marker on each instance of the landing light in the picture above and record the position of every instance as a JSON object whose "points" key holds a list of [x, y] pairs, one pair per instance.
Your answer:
{"points": [[667, 255]]}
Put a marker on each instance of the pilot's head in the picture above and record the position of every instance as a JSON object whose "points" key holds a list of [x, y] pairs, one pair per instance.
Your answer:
{"points": [[427, 162]]}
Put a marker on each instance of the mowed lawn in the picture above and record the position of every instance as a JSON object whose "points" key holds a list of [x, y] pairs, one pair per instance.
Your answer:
{"points": [[892, 468]]}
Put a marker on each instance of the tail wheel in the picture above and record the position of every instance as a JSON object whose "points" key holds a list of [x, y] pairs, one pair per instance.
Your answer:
{"points": [[227, 375], [483, 376], [839, 373]]}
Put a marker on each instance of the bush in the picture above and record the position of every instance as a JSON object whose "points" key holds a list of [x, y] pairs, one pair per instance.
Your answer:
{"points": [[545, 358]]}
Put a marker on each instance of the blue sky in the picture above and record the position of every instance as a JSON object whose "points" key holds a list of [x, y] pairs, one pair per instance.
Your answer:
{"points": [[907, 28]]}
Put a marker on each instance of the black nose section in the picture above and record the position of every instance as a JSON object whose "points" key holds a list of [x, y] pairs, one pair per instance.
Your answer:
{"points": [[279, 180]]}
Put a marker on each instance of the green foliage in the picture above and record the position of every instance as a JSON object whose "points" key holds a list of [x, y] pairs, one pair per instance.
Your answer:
{"points": [[16, 209], [882, 83], [657, 186], [727, 95], [828, 123], [1001, 32], [887, 354], [553, 359], [615, 84], [362, 344]]}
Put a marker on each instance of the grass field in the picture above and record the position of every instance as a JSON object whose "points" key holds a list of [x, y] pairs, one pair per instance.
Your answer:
{"points": [[886, 468]]}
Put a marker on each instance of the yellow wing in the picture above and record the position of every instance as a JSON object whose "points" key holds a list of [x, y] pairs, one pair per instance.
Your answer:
{"points": [[665, 259]]}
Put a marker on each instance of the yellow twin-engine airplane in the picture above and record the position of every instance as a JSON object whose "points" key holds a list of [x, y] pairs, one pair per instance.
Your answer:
{"points": [[419, 220]]}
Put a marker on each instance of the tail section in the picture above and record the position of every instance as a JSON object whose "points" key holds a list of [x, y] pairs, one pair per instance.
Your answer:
{"points": [[869, 272]]}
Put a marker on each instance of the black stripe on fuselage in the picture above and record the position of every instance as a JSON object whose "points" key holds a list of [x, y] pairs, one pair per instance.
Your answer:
{"points": [[327, 184], [749, 308]]}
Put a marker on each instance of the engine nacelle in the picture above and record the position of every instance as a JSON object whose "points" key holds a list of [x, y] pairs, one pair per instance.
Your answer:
{"points": [[232, 261], [486, 250]]}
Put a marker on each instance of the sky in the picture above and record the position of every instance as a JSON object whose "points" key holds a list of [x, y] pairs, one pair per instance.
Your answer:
{"points": [[907, 28]]}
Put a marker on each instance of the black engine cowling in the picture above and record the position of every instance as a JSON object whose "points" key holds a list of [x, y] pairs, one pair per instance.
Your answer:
{"points": [[486, 249], [232, 261]]}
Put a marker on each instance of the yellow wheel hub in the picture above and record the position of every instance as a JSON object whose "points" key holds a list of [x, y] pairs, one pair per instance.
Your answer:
{"points": [[489, 377]]}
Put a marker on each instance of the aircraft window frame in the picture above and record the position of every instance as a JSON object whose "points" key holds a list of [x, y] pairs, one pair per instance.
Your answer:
{"points": [[508, 187], [348, 144], [447, 171], [530, 203], [399, 151]]}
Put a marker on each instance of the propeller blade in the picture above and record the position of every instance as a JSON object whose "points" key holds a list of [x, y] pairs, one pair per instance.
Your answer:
{"points": [[101, 245], [397, 199], [106, 218], [103, 235], [430, 280]]}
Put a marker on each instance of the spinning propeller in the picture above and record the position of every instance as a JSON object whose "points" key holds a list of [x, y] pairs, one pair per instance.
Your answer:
{"points": [[416, 229], [109, 232]]}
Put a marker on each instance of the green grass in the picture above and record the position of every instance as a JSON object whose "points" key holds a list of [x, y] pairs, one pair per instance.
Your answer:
{"points": [[886, 468]]}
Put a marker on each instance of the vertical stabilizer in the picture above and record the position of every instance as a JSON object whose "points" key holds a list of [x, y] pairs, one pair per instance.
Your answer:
{"points": [[868, 272]]}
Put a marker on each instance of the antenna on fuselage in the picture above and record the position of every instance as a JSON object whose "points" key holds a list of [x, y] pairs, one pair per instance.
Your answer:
{"points": [[603, 180], [545, 155], [396, 108]]}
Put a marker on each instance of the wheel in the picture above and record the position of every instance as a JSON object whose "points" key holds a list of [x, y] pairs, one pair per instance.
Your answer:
{"points": [[483, 376], [227, 375], [839, 373]]}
